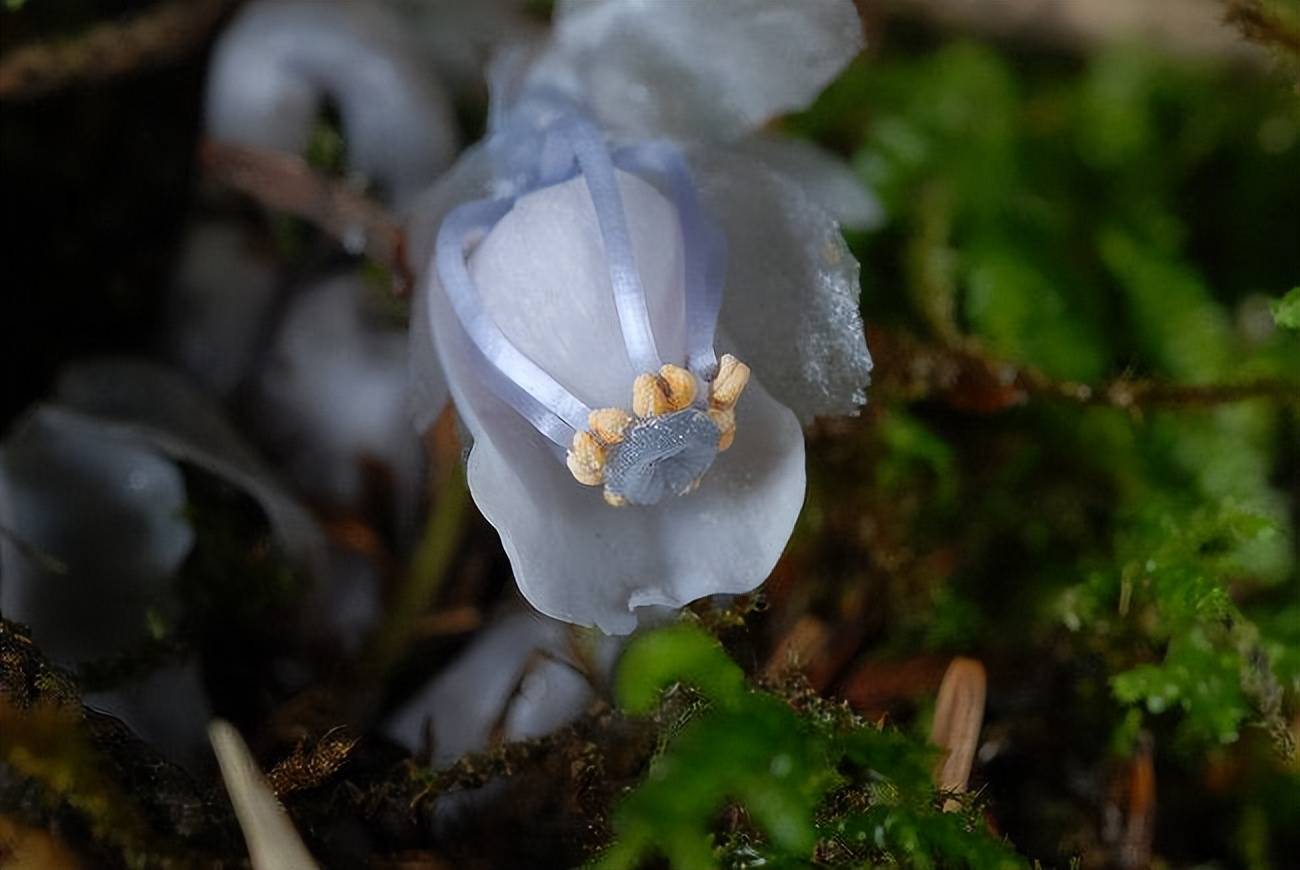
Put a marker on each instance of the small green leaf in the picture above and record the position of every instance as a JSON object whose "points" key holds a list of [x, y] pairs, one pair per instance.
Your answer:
{"points": [[1286, 311], [682, 653]]}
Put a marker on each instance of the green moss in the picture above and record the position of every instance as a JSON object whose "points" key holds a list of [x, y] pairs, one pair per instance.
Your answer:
{"points": [[810, 783]]}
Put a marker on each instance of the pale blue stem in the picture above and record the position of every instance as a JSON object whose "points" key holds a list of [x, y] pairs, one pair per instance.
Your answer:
{"points": [[704, 243], [629, 294], [512, 376]]}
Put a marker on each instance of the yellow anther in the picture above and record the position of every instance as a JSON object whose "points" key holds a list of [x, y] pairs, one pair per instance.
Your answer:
{"points": [[679, 386], [649, 398], [613, 499], [608, 424], [672, 389], [586, 459], [726, 388], [725, 420]]}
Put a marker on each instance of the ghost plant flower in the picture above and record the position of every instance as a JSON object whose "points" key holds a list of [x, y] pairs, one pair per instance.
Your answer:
{"points": [[522, 677], [332, 389], [92, 508], [458, 37], [634, 310], [281, 62], [334, 394], [223, 295]]}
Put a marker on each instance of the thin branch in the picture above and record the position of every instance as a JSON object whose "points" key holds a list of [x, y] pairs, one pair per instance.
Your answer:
{"points": [[1269, 24], [157, 35], [968, 379], [1133, 394], [285, 182], [1190, 28], [1136, 845]]}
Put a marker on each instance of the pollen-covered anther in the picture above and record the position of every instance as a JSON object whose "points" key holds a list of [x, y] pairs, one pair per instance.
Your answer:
{"points": [[649, 397], [725, 420], [609, 424], [586, 459], [730, 382], [679, 386], [672, 389]]}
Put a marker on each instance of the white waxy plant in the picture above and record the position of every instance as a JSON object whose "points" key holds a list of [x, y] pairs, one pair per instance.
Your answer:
{"points": [[582, 267]]}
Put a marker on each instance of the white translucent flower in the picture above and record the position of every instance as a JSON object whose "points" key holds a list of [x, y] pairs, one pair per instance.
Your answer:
{"points": [[223, 296], [335, 397], [581, 274], [324, 374], [92, 507], [522, 677], [327, 376], [325, 382], [280, 63]]}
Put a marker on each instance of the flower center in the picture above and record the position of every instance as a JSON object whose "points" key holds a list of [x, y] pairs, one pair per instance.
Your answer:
{"points": [[661, 456], [668, 445]]}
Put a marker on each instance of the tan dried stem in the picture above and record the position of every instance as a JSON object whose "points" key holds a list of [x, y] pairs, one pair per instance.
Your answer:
{"points": [[958, 717]]}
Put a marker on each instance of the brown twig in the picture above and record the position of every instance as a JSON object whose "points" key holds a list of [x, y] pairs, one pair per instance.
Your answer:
{"points": [[307, 766], [157, 35], [1264, 25], [285, 182], [1140, 825], [873, 687], [966, 378], [1190, 28]]}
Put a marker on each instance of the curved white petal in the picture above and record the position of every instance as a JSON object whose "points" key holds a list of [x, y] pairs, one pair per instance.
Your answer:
{"points": [[335, 394], [100, 520], [223, 296], [712, 70], [150, 405], [280, 61], [521, 677], [828, 180], [579, 560], [792, 294]]}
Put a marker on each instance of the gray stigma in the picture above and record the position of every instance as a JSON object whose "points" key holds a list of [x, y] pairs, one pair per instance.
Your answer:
{"points": [[661, 456]]}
